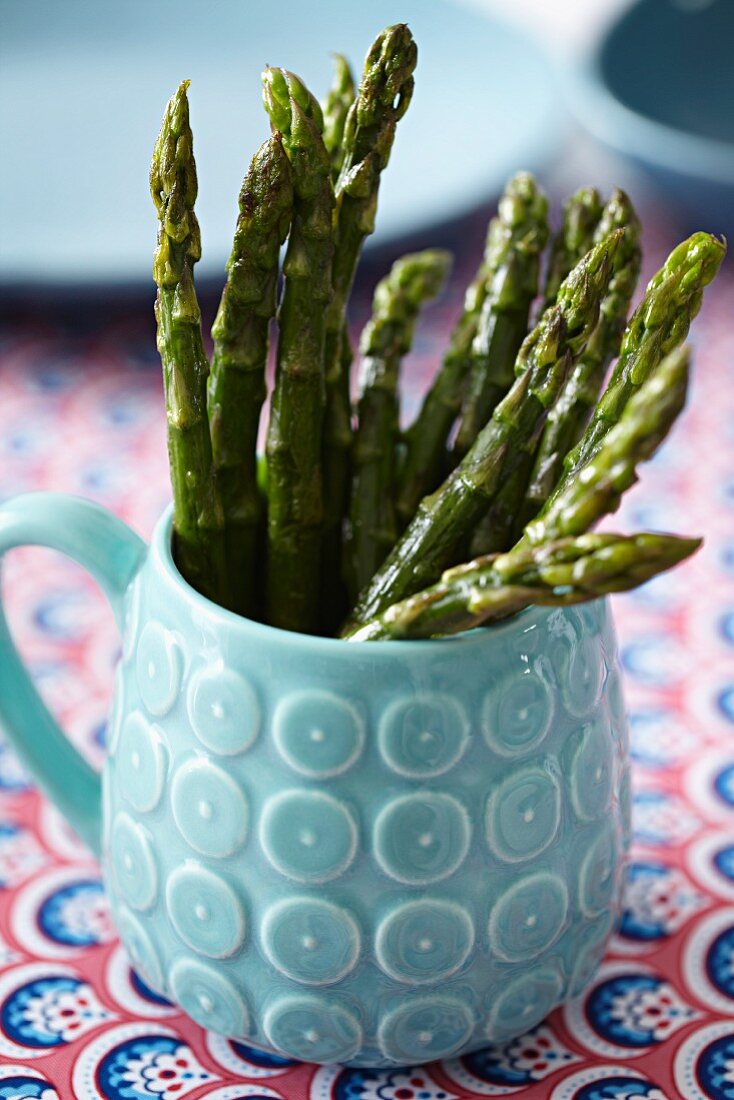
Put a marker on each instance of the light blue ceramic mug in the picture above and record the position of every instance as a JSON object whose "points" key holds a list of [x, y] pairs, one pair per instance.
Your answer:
{"points": [[376, 853]]}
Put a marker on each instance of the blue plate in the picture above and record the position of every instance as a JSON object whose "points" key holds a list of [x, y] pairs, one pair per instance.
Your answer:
{"points": [[660, 89], [83, 86]]}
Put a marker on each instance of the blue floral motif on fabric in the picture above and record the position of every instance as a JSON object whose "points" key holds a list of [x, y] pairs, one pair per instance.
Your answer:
{"points": [[260, 1057], [64, 915], [724, 781], [720, 962], [368, 1084], [520, 1062], [145, 991], [635, 1010], [37, 1015], [149, 1066], [487, 1065], [618, 1088], [26, 1088], [13, 776], [714, 1069], [726, 705], [724, 861], [658, 900], [637, 924]]}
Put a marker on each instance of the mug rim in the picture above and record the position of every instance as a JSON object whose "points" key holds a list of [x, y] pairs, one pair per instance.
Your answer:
{"points": [[161, 546]]}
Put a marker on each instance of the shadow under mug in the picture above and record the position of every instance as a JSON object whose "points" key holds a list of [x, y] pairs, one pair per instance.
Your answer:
{"points": [[379, 853]]}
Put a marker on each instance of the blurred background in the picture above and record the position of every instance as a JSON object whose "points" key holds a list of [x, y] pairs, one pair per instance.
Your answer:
{"points": [[603, 92]]}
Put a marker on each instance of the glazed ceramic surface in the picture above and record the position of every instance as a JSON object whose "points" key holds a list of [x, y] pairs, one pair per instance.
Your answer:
{"points": [[378, 853]]}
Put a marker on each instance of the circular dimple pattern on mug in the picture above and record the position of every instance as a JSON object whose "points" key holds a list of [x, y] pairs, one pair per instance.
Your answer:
{"points": [[308, 836], [422, 738], [224, 710], [597, 875], [625, 806], [312, 1028], [317, 734], [424, 941], [425, 1028], [132, 600], [209, 998], [589, 953], [310, 940], [583, 679], [615, 706], [139, 948], [209, 808], [523, 1003], [529, 917], [117, 717], [141, 763], [517, 713], [205, 911], [158, 668], [591, 772], [133, 863], [419, 778], [421, 838], [524, 814]]}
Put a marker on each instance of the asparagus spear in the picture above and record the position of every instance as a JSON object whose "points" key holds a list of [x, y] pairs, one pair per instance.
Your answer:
{"points": [[581, 214], [568, 417], [237, 382], [198, 518], [660, 323], [493, 533], [413, 280], [596, 488], [447, 517], [517, 236], [560, 573], [576, 236], [425, 440], [335, 108], [383, 98], [294, 439]]}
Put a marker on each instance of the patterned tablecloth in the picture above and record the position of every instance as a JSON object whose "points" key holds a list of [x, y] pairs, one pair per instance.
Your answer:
{"points": [[82, 412]]}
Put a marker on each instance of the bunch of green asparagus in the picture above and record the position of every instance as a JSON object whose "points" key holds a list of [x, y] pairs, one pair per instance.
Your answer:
{"points": [[524, 441]]}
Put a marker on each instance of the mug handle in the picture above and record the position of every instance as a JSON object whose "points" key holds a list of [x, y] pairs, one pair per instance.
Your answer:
{"points": [[112, 553]]}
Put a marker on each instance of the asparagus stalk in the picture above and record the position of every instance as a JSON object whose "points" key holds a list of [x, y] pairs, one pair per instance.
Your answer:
{"points": [[294, 439], [447, 517], [384, 95], [574, 239], [659, 324], [596, 488], [425, 440], [581, 213], [568, 418], [413, 280], [335, 108], [198, 517], [517, 236], [237, 383], [494, 531], [560, 573]]}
